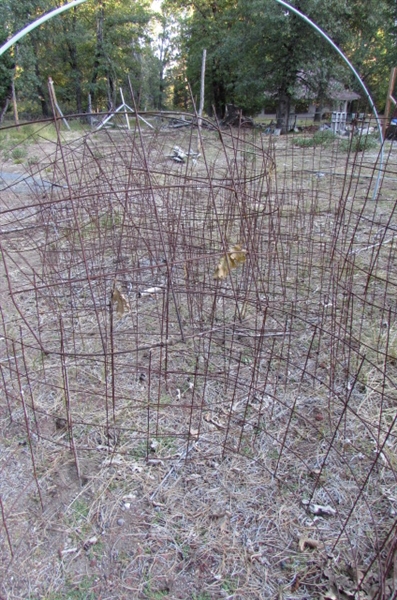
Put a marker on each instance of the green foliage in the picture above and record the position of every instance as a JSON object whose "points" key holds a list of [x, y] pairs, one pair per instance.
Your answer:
{"points": [[323, 138], [6, 72], [320, 138], [92, 48], [230, 585], [370, 42], [82, 591], [327, 137], [18, 154], [360, 143], [257, 51]]}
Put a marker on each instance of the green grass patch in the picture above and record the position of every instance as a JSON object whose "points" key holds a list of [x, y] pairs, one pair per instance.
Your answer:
{"points": [[359, 143], [19, 154], [73, 592], [320, 138]]}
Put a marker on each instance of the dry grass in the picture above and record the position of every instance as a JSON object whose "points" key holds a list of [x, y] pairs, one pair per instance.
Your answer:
{"points": [[198, 438]]}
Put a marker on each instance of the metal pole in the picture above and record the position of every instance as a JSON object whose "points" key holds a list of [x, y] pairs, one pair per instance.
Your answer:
{"points": [[14, 101], [54, 101], [125, 108], [202, 94], [90, 110], [389, 98]]}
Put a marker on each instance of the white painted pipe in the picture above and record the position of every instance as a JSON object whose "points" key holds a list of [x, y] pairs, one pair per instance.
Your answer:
{"points": [[15, 38]]}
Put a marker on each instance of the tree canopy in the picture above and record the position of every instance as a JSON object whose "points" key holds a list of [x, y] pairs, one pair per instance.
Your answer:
{"points": [[258, 52]]}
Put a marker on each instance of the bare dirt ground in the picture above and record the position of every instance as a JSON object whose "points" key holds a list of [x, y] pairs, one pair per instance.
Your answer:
{"points": [[168, 433]]}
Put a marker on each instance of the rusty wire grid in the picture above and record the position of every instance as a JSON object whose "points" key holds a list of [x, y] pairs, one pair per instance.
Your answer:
{"points": [[198, 364]]}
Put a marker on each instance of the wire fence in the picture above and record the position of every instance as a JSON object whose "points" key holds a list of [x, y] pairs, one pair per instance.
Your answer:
{"points": [[198, 356]]}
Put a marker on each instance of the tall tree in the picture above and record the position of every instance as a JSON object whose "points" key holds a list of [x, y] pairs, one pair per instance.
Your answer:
{"points": [[165, 42], [281, 51], [91, 48], [207, 25], [371, 42], [6, 76], [253, 47], [258, 46]]}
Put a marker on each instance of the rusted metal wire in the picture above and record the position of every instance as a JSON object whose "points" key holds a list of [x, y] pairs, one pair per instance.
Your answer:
{"points": [[242, 303]]}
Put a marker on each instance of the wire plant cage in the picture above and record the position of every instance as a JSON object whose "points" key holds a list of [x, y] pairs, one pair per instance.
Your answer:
{"points": [[198, 361]]}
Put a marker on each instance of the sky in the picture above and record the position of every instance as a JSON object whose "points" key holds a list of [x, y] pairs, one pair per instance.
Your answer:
{"points": [[156, 4]]}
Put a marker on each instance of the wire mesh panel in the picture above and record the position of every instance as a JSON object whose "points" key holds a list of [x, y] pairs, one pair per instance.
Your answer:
{"points": [[198, 363]]}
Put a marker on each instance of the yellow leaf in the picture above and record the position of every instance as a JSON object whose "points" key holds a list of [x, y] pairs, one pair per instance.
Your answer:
{"points": [[234, 257], [121, 301], [222, 270], [237, 256]]}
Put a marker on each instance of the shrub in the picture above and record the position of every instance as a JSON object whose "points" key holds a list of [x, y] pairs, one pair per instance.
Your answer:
{"points": [[320, 138], [359, 143], [18, 154]]}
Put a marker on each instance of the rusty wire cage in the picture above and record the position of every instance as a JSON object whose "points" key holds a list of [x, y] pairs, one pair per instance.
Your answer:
{"points": [[198, 362]]}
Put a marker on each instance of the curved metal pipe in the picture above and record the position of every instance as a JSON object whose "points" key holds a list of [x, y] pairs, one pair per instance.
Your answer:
{"points": [[36, 23]]}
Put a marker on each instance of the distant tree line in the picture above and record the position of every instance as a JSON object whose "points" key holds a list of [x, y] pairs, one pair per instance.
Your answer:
{"points": [[258, 52]]}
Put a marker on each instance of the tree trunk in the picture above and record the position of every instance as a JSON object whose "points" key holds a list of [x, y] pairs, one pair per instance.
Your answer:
{"points": [[321, 95], [45, 109], [4, 109], [14, 103], [283, 111], [111, 92], [98, 51], [40, 89], [160, 102], [219, 97], [318, 113], [73, 62]]}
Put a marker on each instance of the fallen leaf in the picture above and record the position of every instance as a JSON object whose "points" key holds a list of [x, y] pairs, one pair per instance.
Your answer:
{"points": [[224, 524], [207, 417], [68, 551], [222, 269], [342, 584], [235, 256], [258, 557], [307, 542], [121, 301], [295, 584], [135, 468], [355, 573]]}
